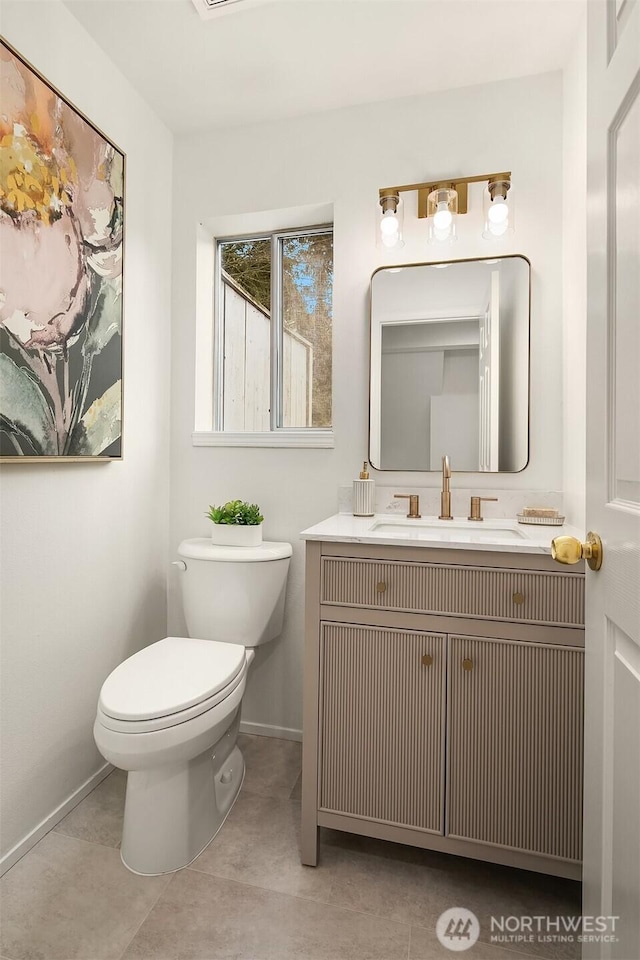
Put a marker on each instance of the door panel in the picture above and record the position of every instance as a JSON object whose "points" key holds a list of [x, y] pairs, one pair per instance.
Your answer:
{"points": [[626, 789], [624, 410], [618, 16], [611, 873], [514, 746], [382, 724]]}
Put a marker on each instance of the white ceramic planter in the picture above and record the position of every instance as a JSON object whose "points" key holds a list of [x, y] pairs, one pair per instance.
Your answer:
{"points": [[236, 534]]}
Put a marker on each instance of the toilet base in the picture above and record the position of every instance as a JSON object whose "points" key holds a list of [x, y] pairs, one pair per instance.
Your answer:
{"points": [[173, 813]]}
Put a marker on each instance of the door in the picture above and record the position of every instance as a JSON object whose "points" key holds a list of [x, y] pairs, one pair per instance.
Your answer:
{"points": [[382, 724], [612, 663], [514, 745]]}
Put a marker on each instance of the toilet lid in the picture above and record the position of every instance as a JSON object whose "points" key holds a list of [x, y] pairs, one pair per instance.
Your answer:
{"points": [[202, 548], [169, 676]]}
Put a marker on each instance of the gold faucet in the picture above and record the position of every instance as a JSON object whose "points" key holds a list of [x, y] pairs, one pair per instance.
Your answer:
{"points": [[475, 509], [445, 495], [414, 504]]}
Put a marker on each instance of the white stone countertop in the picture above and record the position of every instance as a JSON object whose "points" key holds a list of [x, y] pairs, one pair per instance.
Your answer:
{"points": [[503, 536]]}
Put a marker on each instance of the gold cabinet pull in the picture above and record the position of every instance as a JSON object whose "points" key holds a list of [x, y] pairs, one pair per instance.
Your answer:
{"points": [[467, 664], [518, 598], [381, 586], [427, 659]]}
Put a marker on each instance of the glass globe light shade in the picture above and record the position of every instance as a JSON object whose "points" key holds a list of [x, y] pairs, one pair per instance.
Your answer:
{"points": [[390, 240], [498, 229], [498, 210], [389, 224], [443, 217]]}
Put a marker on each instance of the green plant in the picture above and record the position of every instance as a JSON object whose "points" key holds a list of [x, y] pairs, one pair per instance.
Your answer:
{"points": [[236, 512]]}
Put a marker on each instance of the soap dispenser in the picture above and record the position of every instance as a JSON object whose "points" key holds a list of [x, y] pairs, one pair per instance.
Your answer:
{"points": [[364, 494]]}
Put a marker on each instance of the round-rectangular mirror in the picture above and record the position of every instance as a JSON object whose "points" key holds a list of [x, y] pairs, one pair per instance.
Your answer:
{"points": [[450, 366]]}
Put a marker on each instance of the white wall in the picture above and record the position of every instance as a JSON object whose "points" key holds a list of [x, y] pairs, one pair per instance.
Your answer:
{"points": [[84, 546], [574, 299], [345, 156], [514, 345]]}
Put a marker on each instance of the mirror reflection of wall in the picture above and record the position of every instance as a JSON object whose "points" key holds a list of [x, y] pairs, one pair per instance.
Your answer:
{"points": [[450, 366], [429, 374]]}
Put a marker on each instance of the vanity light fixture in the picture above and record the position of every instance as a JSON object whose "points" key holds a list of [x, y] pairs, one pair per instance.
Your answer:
{"points": [[498, 209], [441, 202], [391, 217], [442, 212]]}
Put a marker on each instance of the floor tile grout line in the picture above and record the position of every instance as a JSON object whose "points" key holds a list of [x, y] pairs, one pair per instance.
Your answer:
{"points": [[92, 843], [147, 915], [104, 846], [96, 843], [49, 833], [247, 791], [530, 955], [308, 899], [295, 896]]}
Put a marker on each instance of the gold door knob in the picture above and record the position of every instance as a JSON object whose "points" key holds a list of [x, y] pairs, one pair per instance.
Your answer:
{"points": [[427, 659], [570, 550], [467, 664], [381, 586], [518, 598]]}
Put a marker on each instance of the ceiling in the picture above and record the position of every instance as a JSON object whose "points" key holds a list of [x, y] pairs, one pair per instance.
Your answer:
{"points": [[291, 57]]}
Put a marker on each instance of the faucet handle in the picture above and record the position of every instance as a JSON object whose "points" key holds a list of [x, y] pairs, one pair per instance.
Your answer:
{"points": [[414, 504], [475, 511]]}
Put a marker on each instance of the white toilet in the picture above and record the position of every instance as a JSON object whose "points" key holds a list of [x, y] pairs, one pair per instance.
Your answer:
{"points": [[170, 714]]}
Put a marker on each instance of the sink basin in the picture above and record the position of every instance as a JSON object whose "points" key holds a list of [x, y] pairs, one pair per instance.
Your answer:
{"points": [[466, 531]]}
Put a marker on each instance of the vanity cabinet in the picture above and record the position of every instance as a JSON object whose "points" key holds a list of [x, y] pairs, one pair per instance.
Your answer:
{"points": [[514, 745], [443, 702], [383, 720]]}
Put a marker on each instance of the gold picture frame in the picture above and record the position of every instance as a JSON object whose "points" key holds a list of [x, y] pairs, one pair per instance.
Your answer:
{"points": [[62, 216]]}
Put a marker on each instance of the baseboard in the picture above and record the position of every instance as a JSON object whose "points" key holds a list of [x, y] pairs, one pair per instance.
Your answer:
{"points": [[55, 817], [267, 730], [49, 822]]}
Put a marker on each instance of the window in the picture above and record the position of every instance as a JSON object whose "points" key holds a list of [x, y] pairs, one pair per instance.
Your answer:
{"points": [[273, 332]]}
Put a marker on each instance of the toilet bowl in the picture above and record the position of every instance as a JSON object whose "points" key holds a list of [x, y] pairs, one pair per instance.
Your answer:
{"points": [[170, 714]]}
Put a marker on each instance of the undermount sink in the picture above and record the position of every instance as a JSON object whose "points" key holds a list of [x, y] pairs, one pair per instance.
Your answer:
{"points": [[430, 528]]}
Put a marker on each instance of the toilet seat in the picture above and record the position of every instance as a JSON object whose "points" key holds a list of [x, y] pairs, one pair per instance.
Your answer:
{"points": [[170, 682]]}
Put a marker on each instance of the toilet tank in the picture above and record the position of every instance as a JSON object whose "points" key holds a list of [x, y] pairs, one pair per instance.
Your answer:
{"points": [[234, 594]]}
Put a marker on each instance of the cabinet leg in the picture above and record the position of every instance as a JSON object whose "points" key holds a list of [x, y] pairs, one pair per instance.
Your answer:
{"points": [[309, 841]]}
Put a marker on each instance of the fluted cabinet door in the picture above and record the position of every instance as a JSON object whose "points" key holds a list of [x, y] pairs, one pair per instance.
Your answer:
{"points": [[382, 725], [514, 747]]}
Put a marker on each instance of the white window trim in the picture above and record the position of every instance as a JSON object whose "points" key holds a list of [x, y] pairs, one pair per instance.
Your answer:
{"points": [[305, 438], [267, 221], [275, 239]]}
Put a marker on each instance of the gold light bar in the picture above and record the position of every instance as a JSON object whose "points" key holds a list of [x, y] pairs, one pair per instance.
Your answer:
{"points": [[459, 184]]}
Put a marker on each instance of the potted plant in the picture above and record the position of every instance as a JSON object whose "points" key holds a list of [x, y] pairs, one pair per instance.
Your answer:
{"points": [[236, 524]]}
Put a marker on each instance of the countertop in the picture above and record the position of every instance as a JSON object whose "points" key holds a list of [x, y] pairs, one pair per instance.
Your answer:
{"points": [[458, 534]]}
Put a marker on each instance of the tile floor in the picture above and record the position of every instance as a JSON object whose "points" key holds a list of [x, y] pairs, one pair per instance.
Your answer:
{"points": [[248, 898]]}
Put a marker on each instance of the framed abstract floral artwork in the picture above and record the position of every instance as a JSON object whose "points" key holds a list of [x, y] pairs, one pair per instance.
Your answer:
{"points": [[61, 254]]}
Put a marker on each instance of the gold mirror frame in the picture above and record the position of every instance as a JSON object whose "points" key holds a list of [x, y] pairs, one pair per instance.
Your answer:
{"points": [[375, 376]]}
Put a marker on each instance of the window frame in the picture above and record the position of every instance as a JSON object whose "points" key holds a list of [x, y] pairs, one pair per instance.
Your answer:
{"points": [[277, 435]]}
